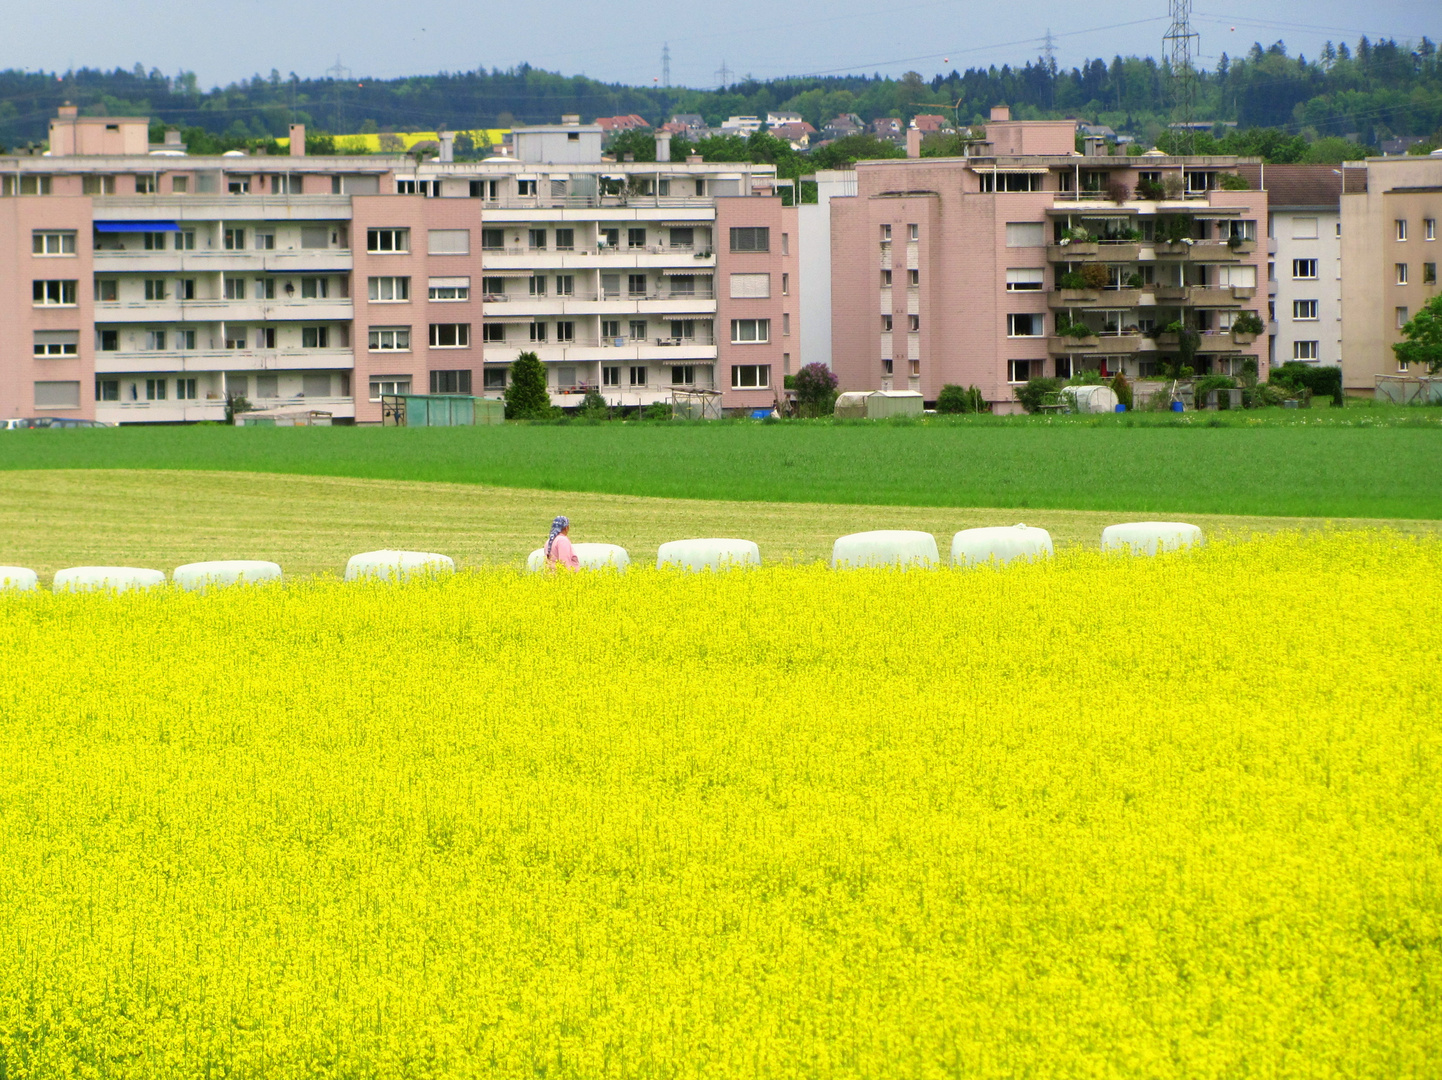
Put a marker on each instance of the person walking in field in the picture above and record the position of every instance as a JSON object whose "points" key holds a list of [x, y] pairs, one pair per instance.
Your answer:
{"points": [[558, 545]]}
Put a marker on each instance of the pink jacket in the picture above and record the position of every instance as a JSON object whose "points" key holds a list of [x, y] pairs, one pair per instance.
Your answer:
{"points": [[562, 553]]}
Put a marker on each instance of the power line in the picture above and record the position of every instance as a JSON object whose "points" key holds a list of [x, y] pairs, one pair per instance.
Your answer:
{"points": [[723, 76]]}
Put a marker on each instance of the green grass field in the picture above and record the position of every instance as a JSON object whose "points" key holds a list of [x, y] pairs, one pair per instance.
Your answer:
{"points": [[1372, 463]]}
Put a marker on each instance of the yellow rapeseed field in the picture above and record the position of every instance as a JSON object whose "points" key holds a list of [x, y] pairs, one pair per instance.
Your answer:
{"points": [[1098, 817]]}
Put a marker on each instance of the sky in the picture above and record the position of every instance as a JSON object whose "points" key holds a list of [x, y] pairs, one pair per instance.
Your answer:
{"points": [[225, 40]]}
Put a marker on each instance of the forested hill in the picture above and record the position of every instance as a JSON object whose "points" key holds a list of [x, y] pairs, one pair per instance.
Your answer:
{"points": [[1370, 91]]}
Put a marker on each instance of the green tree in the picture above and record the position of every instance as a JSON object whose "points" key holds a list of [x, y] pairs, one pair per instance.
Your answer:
{"points": [[815, 386], [526, 396], [1423, 334]]}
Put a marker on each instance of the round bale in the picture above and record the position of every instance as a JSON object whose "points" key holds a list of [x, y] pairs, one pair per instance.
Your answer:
{"points": [[716, 554], [885, 547], [1000, 543], [111, 578], [17, 577], [1150, 537], [589, 556], [393, 565], [200, 575]]}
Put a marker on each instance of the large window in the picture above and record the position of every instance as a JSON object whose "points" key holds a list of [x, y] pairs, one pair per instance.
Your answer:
{"points": [[1019, 371], [1011, 181], [107, 290], [1024, 325], [750, 286], [750, 376], [155, 288], [750, 239], [1024, 279], [388, 241], [54, 293], [389, 385], [449, 290], [314, 288], [494, 378], [390, 290], [683, 374], [450, 382], [57, 342], [750, 331], [234, 288], [315, 337], [390, 339], [638, 375], [1304, 310], [52, 242], [234, 239], [493, 333], [493, 239], [1304, 350], [450, 242], [1304, 269]]}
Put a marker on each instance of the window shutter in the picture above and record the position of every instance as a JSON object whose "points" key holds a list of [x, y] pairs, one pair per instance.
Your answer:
{"points": [[750, 286], [450, 242], [1025, 234]]}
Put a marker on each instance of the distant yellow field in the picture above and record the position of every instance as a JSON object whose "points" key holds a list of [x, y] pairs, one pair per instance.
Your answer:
{"points": [[372, 143], [1098, 816]]}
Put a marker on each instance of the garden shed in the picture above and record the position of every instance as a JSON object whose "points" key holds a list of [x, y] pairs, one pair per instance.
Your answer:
{"points": [[878, 404], [440, 410]]}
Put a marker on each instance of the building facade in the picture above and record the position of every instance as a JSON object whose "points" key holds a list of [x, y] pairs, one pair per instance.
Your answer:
{"points": [[1027, 259], [1390, 249], [146, 285]]}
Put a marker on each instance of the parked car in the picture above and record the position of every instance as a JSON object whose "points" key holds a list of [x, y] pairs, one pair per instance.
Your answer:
{"points": [[50, 422]]}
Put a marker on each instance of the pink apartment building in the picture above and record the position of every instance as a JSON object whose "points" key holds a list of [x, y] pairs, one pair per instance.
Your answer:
{"points": [[140, 284], [968, 270]]}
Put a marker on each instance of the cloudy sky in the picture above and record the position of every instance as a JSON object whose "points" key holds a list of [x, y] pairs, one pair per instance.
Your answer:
{"points": [[224, 40]]}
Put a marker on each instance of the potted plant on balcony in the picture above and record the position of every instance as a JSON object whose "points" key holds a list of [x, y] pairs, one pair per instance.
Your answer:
{"points": [[1150, 190], [1078, 331], [1174, 232], [1134, 280], [1075, 288], [1246, 327], [1079, 241]]}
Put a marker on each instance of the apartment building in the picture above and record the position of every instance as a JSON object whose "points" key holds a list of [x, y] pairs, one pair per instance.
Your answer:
{"points": [[1391, 251], [146, 285], [1026, 259], [1304, 270]]}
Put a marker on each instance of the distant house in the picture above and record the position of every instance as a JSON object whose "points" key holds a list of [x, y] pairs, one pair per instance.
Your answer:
{"points": [[798, 134], [776, 119], [844, 125], [887, 127], [928, 123], [689, 121], [1097, 131], [741, 125], [613, 125], [1392, 147]]}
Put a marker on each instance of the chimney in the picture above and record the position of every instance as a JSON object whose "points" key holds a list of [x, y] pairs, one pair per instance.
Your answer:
{"points": [[913, 142], [1001, 113], [69, 110], [172, 139], [694, 159], [571, 119], [663, 147], [297, 140], [1094, 146], [448, 146]]}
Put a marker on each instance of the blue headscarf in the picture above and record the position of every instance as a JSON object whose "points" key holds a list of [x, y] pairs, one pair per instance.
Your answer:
{"points": [[561, 522]]}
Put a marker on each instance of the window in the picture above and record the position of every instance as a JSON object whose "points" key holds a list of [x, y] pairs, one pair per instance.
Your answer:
{"points": [[638, 375], [107, 290], [786, 243], [493, 378], [57, 395], [786, 323], [537, 239], [913, 279], [610, 238], [565, 239], [315, 337], [235, 337], [91, 185], [1401, 273], [610, 375], [1304, 310], [683, 329], [155, 288], [450, 290], [750, 239], [913, 323], [1401, 226], [234, 239], [750, 331], [886, 324], [264, 289], [185, 389], [493, 239], [54, 293], [635, 239], [1304, 228], [390, 290], [1024, 326], [264, 241], [1304, 269], [886, 279], [185, 338], [1011, 181], [107, 389], [314, 237], [109, 340], [525, 187], [683, 374], [449, 242], [235, 288], [185, 288], [314, 288], [1063, 367], [635, 284], [1025, 234], [638, 330], [886, 234], [1402, 316], [385, 241], [785, 284], [913, 233], [180, 185], [238, 185], [390, 339], [57, 343], [1198, 182], [1024, 279], [52, 242], [494, 287], [1304, 350], [750, 286], [610, 328], [886, 365], [155, 389], [1237, 277], [145, 185], [566, 331], [1429, 229], [389, 386], [1018, 371], [450, 382], [1429, 273], [750, 376], [493, 333], [538, 332], [565, 284]]}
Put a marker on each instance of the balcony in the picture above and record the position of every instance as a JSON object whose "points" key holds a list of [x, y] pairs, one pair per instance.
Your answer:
{"points": [[152, 312], [702, 302], [1110, 343], [497, 260], [1094, 298], [597, 202], [299, 261], [605, 350], [1213, 296], [198, 360], [1110, 251], [1203, 251]]}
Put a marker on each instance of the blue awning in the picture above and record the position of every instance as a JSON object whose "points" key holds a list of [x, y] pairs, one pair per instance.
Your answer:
{"points": [[136, 226]]}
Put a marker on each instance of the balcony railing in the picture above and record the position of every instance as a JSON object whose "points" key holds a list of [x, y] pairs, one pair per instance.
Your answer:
{"points": [[697, 294], [591, 202]]}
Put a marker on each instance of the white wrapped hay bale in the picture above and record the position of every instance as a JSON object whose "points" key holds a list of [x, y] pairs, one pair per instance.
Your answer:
{"points": [[18, 578], [999, 543], [885, 547], [112, 578], [1150, 537], [711, 554], [397, 565], [200, 575], [588, 556]]}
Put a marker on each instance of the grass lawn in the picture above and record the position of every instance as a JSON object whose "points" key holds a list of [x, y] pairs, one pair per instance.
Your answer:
{"points": [[1373, 463], [51, 519]]}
